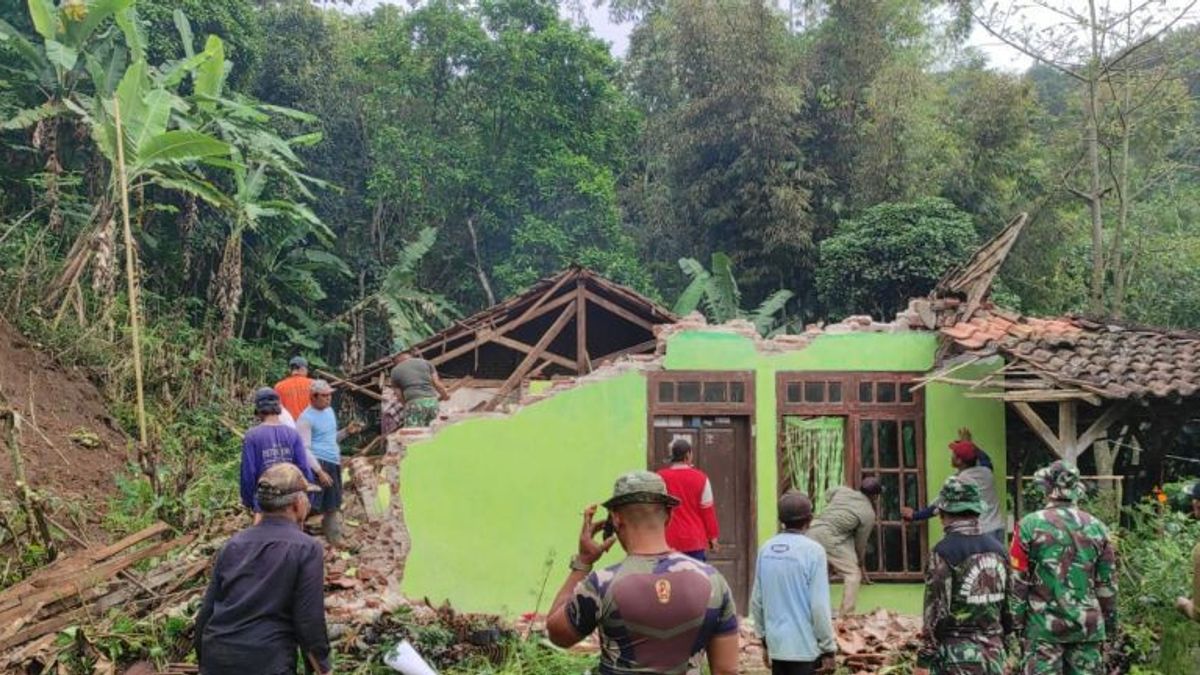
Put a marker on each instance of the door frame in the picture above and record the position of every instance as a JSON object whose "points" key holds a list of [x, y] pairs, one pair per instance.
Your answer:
{"points": [[745, 408]]}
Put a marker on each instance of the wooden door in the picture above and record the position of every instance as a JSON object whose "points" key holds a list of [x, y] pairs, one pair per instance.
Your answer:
{"points": [[721, 449]]}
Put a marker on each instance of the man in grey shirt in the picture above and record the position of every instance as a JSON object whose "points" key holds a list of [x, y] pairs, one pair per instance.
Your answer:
{"points": [[417, 385], [844, 529], [973, 467]]}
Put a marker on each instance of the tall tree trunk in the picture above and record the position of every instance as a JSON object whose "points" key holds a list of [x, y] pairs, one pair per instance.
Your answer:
{"points": [[187, 227], [227, 285], [479, 271], [104, 261], [1092, 140], [45, 139], [1118, 257]]}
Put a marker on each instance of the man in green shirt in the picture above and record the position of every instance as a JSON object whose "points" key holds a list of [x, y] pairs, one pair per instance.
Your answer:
{"points": [[419, 388]]}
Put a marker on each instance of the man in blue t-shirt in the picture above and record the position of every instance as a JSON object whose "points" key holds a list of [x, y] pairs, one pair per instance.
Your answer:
{"points": [[269, 443], [318, 428], [790, 600]]}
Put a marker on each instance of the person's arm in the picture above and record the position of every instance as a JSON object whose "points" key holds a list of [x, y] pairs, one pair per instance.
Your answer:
{"points": [[308, 619], [723, 647], [919, 515], [304, 428], [443, 392], [756, 606], [708, 513], [1106, 587], [937, 609], [206, 606], [575, 612], [249, 472], [818, 599]]}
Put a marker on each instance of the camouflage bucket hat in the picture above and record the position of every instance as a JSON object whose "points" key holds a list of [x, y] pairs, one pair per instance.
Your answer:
{"points": [[1060, 481], [640, 487], [958, 497]]}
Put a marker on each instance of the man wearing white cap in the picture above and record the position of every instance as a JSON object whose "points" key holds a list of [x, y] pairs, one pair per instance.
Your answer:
{"points": [[318, 428]]}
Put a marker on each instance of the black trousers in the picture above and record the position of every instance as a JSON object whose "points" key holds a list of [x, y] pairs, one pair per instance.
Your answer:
{"points": [[793, 667]]}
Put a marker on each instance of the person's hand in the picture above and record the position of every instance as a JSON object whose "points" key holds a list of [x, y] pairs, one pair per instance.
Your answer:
{"points": [[827, 663], [866, 578], [324, 478], [713, 545], [591, 550], [257, 517], [1185, 605], [355, 427], [906, 513]]}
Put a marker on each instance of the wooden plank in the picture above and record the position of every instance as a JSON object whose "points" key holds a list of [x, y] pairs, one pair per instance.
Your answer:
{"points": [[1039, 427], [529, 313], [1099, 428], [582, 362], [484, 337], [620, 311], [525, 349], [337, 381], [1068, 431], [513, 380], [1039, 396], [647, 346]]}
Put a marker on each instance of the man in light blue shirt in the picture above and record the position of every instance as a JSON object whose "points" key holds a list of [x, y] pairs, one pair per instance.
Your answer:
{"points": [[790, 601], [318, 429]]}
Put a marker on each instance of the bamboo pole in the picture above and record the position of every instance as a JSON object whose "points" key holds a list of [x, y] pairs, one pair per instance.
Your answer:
{"points": [[131, 276]]}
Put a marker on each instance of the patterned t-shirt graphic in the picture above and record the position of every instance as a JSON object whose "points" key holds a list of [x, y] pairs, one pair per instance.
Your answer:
{"points": [[653, 612]]}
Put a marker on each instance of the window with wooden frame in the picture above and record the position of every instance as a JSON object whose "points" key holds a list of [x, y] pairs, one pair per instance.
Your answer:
{"points": [[883, 436], [705, 392]]}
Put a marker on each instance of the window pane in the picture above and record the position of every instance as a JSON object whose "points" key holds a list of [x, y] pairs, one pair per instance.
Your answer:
{"points": [[906, 393], [835, 392], [872, 556], [913, 534], [689, 392], [889, 501], [715, 392], [793, 392], [893, 548], [737, 392], [666, 392], [889, 450], [908, 433], [814, 392], [866, 443], [885, 392], [864, 392], [912, 491]]}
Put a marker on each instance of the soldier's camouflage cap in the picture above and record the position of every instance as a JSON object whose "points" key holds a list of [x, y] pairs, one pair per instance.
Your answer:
{"points": [[958, 497], [640, 487], [1060, 481]]}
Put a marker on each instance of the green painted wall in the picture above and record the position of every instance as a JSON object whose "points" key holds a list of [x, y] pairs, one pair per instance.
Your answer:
{"points": [[489, 501]]}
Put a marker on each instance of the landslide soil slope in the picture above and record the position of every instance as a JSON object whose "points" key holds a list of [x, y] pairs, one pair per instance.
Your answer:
{"points": [[56, 404]]}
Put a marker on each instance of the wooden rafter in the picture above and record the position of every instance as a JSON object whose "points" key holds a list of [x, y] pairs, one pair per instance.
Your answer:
{"points": [[583, 363], [519, 346], [482, 337], [1039, 426], [619, 311], [530, 359]]}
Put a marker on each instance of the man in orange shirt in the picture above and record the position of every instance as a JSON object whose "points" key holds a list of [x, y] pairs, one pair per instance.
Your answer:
{"points": [[294, 390]]}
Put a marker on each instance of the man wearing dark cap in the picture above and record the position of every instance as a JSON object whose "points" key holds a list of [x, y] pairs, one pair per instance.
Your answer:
{"points": [[1064, 588], [266, 597], [966, 591], [790, 600], [656, 608], [271, 442], [843, 529], [972, 465], [294, 389]]}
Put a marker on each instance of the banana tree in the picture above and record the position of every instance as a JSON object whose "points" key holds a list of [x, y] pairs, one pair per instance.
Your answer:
{"points": [[413, 313], [717, 291]]}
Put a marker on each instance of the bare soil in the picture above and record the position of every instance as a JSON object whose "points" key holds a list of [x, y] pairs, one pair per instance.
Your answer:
{"points": [[56, 405]]}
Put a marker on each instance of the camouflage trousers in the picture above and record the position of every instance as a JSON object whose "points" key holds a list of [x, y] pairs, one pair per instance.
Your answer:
{"points": [[983, 655], [421, 412], [1063, 658]]}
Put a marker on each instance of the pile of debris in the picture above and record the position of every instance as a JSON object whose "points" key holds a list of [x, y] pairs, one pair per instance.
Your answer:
{"points": [[85, 586], [868, 642]]}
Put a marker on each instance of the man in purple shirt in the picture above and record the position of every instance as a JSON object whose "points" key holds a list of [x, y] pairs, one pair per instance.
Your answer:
{"points": [[271, 442], [265, 601]]}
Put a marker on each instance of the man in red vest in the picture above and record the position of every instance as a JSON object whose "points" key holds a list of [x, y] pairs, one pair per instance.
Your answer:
{"points": [[693, 528]]}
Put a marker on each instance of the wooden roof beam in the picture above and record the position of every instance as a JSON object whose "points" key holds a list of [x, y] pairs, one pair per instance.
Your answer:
{"points": [[530, 359], [1039, 426]]}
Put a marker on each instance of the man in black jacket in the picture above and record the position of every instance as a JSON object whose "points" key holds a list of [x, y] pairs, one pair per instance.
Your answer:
{"points": [[266, 598]]}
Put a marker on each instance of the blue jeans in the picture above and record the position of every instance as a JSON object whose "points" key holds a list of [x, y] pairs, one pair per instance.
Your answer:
{"points": [[700, 555]]}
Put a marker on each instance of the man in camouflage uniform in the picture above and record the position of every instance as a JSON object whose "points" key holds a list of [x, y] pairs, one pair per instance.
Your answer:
{"points": [[1064, 596], [966, 604]]}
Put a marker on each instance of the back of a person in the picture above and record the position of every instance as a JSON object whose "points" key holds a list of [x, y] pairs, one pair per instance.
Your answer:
{"points": [[787, 566], [252, 625], [656, 612], [979, 595], [274, 443], [845, 509], [1064, 544], [983, 478], [686, 531], [294, 393], [414, 377]]}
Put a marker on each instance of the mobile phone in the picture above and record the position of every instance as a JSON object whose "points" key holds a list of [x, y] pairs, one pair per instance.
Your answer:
{"points": [[609, 528]]}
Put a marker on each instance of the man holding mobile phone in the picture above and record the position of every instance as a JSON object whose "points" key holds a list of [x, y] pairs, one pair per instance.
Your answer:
{"points": [[656, 608]]}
